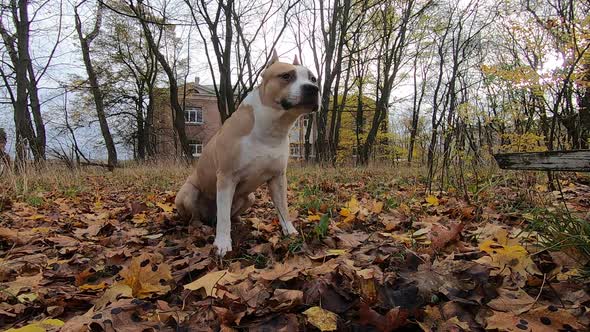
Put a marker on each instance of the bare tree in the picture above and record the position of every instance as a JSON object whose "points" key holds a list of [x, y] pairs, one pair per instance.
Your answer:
{"points": [[85, 43], [226, 33], [139, 10], [24, 76]]}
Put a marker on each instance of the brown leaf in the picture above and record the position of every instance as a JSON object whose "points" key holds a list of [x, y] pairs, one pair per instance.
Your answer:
{"points": [[286, 298], [440, 236], [544, 319], [352, 240], [147, 275], [282, 323], [282, 271], [514, 301], [394, 319]]}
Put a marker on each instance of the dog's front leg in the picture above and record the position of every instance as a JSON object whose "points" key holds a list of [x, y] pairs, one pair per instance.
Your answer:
{"points": [[226, 187], [278, 193]]}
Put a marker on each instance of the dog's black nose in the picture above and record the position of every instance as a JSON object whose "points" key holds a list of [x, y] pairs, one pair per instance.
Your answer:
{"points": [[310, 89]]}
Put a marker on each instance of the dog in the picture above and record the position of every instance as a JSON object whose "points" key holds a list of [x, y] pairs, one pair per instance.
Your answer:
{"points": [[249, 150]]}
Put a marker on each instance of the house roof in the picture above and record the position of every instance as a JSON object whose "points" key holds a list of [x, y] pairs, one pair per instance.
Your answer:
{"points": [[199, 88]]}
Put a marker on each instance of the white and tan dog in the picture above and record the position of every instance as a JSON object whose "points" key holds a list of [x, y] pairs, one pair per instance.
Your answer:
{"points": [[250, 149]]}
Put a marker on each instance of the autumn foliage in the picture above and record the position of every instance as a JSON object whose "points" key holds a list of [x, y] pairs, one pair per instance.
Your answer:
{"points": [[107, 252]]}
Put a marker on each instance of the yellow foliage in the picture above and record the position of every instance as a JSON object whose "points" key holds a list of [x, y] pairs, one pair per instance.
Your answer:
{"points": [[527, 142]]}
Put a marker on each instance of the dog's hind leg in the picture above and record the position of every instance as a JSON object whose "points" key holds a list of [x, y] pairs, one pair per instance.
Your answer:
{"points": [[187, 202], [242, 204]]}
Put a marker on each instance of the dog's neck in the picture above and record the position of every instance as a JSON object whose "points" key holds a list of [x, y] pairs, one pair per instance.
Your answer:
{"points": [[270, 124]]}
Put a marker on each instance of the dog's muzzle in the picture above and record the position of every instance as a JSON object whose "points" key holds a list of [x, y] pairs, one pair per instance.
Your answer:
{"points": [[309, 98]]}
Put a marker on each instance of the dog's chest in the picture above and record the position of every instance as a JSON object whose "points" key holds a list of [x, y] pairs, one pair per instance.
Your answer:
{"points": [[260, 161]]}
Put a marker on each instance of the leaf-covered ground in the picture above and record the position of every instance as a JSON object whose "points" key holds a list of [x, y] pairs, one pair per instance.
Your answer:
{"points": [[106, 252]]}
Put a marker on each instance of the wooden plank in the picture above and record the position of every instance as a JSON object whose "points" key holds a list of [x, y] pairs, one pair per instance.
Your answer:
{"points": [[575, 161]]}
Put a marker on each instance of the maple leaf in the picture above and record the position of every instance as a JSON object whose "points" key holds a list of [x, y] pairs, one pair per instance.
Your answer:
{"points": [[394, 319], [208, 283], [41, 326], [544, 319], [165, 207], [115, 292], [145, 275], [514, 301], [313, 217], [441, 236], [282, 271], [323, 319], [376, 207], [286, 298], [505, 253], [432, 200], [14, 287]]}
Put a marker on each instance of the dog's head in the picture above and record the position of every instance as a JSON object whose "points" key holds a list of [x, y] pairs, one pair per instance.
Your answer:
{"points": [[289, 87]]}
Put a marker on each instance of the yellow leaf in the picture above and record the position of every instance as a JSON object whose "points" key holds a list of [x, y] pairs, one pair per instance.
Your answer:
{"points": [[432, 200], [41, 326], [207, 282], [507, 255], [541, 187], [345, 212], [144, 274], [27, 297], [117, 291], [402, 238], [353, 205], [165, 207], [323, 319], [98, 204], [90, 287], [336, 252], [377, 207], [139, 218], [404, 208], [36, 217], [314, 217], [40, 230]]}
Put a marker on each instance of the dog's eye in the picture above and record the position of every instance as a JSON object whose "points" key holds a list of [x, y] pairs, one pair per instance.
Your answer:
{"points": [[313, 79], [285, 76]]}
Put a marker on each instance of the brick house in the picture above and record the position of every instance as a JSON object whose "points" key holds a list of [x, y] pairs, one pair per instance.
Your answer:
{"points": [[202, 121]]}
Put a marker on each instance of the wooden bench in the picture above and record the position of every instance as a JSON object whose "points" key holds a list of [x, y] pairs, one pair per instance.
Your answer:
{"points": [[569, 161]]}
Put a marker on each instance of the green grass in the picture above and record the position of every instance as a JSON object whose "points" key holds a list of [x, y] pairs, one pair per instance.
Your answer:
{"points": [[560, 231], [34, 201], [310, 197]]}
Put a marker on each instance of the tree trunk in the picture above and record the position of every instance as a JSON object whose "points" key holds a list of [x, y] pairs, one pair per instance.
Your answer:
{"points": [[179, 124], [85, 43]]}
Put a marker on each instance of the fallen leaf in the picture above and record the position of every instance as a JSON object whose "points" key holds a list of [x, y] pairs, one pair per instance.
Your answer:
{"points": [[394, 319], [146, 275], [440, 236], [165, 207], [432, 200], [207, 282], [514, 301], [114, 293], [507, 254], [377, 207], [323, 319], [286, 298], [41, 326], [544, 319]]}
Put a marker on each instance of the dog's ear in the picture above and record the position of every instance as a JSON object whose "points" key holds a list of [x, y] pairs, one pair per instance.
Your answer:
{"points": [[296, 61], [273, 59]]}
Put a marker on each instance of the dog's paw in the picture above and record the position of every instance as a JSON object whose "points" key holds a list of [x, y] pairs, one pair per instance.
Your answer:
{"points": [[290, 230], [223, 246]]}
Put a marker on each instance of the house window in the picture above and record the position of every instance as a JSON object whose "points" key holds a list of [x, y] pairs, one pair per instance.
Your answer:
{"points": [[194, 115], [196, 148], [295, 150], [305, 122]]}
